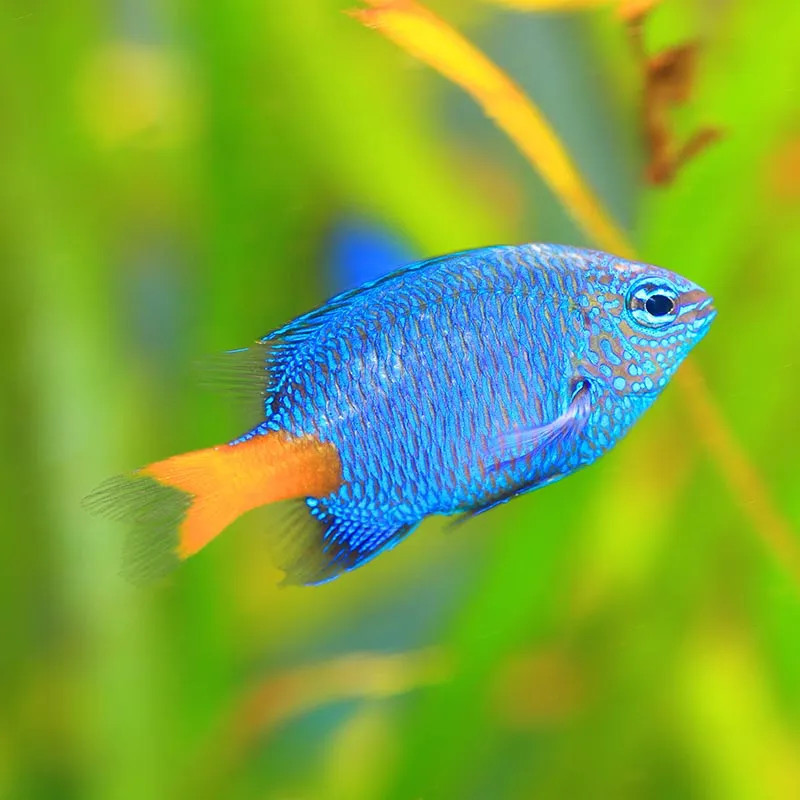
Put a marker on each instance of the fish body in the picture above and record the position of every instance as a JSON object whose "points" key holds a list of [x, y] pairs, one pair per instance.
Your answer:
{"points": [[457, 383]]}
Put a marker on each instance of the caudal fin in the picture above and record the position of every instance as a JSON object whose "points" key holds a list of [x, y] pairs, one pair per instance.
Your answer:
{"points": [[178, 505]]}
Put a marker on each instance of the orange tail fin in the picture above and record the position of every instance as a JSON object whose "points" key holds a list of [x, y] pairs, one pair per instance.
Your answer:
{"points": [[180, 504]]}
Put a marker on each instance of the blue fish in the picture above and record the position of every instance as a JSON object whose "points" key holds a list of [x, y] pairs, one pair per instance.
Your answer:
{"points": [[446, 387]]}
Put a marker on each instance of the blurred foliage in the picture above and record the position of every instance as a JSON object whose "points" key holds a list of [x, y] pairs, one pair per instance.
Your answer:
{"points": [[174, 176]]}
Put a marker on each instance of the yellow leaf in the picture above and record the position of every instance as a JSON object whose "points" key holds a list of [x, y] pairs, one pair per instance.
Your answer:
{"points": [[553, 5], [426, 36]]}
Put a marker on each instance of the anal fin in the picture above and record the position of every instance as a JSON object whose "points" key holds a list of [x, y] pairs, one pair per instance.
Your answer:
{"points": [[315, 546]]}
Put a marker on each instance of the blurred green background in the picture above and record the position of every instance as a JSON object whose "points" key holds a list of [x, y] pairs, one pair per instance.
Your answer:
{"points": [[179, 178]]}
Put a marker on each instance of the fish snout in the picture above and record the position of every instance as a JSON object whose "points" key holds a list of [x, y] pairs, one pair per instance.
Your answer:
{"points": [[696, 309]]}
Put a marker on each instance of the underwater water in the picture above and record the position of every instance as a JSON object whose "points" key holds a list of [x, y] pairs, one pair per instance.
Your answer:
{"points": [[182, 178]]}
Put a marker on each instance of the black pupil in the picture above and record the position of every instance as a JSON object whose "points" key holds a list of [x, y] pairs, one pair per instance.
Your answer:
{"points": [[658, 305]]}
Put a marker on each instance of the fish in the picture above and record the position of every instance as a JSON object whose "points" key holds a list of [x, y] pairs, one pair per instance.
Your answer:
{"points": [[446, 387]]}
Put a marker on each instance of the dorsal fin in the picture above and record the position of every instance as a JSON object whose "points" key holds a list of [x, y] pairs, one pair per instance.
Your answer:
{"points": [[260, 371], [243, 372]]}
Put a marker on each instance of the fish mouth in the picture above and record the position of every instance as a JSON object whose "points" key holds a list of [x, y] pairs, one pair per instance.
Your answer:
{"points": [[697, 309]]}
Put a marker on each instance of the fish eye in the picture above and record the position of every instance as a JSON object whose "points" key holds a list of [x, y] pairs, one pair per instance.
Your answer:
{"points": [[659, 305], [653, 303]]}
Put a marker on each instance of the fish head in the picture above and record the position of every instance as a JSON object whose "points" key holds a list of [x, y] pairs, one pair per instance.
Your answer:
{"points": [[642, 322]]}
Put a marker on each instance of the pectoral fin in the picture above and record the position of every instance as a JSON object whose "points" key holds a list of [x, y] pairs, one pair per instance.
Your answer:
{"points": [[522, 442]]}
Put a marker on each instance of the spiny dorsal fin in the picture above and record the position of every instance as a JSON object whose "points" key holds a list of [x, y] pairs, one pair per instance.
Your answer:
{"points": [[259, 372]]}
